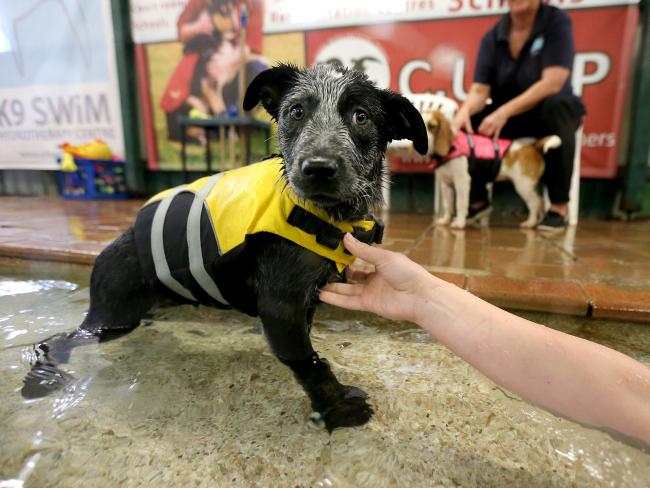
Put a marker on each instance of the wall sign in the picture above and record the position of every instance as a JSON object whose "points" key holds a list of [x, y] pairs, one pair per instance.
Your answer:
{"points": [[59, 80]]}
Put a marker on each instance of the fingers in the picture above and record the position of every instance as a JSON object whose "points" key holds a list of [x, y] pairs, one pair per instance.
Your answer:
{"points": [[343, 301], [344, 288], [468, 126], [486, 128], [372, 255]]}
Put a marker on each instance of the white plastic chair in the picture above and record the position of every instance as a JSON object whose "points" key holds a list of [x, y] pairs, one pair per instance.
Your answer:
{"points": [[427, 103]]}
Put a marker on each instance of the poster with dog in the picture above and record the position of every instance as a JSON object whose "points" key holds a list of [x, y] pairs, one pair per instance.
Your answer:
{"points": [[196, 53]]}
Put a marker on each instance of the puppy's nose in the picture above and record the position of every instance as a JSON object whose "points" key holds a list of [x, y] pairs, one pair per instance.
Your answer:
{"points": [[319, 167]]}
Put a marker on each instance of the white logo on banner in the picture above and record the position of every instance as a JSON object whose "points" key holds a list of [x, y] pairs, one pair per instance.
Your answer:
{"points": [[357, 53]]}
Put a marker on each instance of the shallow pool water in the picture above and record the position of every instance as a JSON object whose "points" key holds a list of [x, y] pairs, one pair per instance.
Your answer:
{"points": [[196, 399]]}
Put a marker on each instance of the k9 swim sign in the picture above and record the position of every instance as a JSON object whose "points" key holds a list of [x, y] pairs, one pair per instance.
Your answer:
{"points": [[431, 46], [58, 81]]}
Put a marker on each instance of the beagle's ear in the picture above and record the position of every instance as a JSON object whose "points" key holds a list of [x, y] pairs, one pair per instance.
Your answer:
{"points": [[404, 121], [443, 137], [269, 87]]}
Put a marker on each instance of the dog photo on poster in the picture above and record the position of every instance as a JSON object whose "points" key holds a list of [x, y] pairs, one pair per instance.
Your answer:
{"points": [[194, 58]]}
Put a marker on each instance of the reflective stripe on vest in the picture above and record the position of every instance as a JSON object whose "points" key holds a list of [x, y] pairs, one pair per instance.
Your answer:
{"points": [[194, 245]]}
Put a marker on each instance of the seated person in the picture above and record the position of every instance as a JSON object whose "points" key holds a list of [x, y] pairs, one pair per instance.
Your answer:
{"points": [[524, 65]]}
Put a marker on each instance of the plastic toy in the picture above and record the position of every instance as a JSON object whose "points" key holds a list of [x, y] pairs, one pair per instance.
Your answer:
{"points": [[95, 149]]}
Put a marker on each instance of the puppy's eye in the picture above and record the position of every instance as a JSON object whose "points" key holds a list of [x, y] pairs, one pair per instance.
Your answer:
{"points": [[297, 112], [359, 117]]}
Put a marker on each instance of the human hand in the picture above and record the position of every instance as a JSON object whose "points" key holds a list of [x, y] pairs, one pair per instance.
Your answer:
{"points": [[462, 120], [492, 124], [203, 23], [395, 290]]}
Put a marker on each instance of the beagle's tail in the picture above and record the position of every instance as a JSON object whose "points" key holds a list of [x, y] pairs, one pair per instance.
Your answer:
{"points": [[548, 142]]}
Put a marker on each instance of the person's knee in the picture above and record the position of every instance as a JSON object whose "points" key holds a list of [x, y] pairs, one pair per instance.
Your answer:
{"points": [[552, 106], [560, 111]]}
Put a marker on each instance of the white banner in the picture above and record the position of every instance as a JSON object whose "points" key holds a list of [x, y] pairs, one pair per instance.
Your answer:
{"points": [[155, 20], [59, 80], [301, 15]]}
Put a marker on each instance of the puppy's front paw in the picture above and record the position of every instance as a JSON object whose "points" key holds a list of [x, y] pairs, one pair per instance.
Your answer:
{"points": [[351, 411], [43, 379]]}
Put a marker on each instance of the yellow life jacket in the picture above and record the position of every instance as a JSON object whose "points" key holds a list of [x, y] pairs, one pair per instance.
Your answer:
{"points": [[236, 204]]}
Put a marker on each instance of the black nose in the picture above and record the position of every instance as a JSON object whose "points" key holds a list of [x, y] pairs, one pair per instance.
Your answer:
{"points": [[319, 168]]}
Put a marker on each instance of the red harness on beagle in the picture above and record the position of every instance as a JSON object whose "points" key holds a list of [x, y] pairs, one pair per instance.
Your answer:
{"points": [[477, 148]]}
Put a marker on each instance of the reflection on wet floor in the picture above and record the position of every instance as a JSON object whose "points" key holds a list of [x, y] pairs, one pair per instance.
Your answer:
{"points": [[196, 399], [600, 269]]}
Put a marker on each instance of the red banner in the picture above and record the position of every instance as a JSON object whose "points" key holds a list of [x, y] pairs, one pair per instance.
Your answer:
{"points": [[439, 56]]}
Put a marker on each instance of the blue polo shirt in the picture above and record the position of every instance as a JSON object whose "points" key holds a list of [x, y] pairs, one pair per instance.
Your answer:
{"points": [[550, 44]]}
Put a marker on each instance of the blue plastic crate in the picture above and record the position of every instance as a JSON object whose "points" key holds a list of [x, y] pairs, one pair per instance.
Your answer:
{"points": [[94, 179]]}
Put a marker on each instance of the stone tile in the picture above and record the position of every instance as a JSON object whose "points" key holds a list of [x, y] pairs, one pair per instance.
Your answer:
{"points": [[611, 252], [406, 226], [514, 238], [534, 255], [72, 253], [398, 245], [616, 272], [612, 302], [450, 251], [530, 271], [552, 296]]}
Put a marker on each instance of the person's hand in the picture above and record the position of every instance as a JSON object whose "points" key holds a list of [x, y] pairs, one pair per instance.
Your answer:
{"points": [[462, 120], [203, 24], [493, 123], [395, 290]]}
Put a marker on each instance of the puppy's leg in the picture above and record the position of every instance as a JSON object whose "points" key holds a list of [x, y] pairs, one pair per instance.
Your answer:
{"points": [[338, 405], [286, 294], [462, 184], [119, 298], [447, 201], [527, 189]]}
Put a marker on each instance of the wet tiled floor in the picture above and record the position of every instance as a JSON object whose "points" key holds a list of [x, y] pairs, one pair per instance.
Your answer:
{"points": [[599, 269]]}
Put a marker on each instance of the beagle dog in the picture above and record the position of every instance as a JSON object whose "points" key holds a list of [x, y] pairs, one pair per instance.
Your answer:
{"points": [[458, 156]]}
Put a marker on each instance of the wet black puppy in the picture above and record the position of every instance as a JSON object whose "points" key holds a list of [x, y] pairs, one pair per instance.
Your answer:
{"points": [[333, 128]]}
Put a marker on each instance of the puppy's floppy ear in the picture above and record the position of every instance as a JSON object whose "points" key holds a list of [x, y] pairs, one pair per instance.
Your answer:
{"points": [[444, 136], [404, 121], [269, 87]]}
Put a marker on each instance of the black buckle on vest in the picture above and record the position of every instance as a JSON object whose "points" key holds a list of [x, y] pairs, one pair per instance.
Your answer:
{"points": [[326, 234], [329, 235], [372, 236]]}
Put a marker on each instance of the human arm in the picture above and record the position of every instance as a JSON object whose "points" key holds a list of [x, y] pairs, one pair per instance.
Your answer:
{"points": [[474, 103], [188, 29], [551, 82], [568, 375]]}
